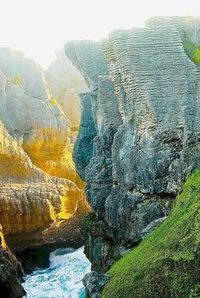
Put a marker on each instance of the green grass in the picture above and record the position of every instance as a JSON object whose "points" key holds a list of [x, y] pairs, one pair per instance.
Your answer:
{"points": [[192, 50], [167, 263]]}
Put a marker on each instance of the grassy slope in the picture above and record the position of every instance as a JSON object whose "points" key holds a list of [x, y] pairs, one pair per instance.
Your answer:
{"points": [[167, 263]]}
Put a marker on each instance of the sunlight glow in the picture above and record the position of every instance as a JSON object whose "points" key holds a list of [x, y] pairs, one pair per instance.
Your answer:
{"points": [[41, 27]]}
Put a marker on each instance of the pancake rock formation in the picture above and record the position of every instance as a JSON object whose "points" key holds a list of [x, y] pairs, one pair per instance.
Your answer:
{"points": [[64, 81], [41, 196], [140, 129]]}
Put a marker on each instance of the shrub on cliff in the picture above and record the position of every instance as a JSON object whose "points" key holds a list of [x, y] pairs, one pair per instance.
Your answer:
{"points": [[53, 101], [17, 80], [192, 50], [196, 56], [167, 263]]}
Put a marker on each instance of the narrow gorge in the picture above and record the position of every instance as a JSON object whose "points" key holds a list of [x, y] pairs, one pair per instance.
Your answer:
{"points": [[42, 200], [102, 149]]}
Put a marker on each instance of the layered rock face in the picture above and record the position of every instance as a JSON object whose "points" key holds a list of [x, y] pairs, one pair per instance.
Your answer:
{"points": [[141, 131], [41, 196], [64, 81]]}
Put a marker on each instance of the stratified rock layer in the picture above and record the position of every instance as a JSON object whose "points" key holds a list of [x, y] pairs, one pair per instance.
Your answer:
{"points": [[64, 80], [40, 191], [145, 109]]}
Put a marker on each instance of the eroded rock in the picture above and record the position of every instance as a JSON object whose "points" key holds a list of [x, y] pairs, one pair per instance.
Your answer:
{"points": [[40, 190], [94, 283], [10, 276], [145, 109]]}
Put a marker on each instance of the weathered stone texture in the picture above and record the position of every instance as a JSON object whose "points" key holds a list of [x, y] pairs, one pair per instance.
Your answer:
{"points": [[15, 65], [64, 81], [10, 276], [88, 58], [145, 105], [87, 132], [39, 186]]}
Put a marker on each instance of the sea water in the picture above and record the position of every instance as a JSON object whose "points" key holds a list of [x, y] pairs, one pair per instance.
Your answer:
{"points": [[62, 279]]}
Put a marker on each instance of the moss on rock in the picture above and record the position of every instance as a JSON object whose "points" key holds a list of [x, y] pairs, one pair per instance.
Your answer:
{"points": [[167, 263]]}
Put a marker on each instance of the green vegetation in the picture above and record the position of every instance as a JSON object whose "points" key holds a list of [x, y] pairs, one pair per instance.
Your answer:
{"points": [[196, 56], [167, 263], [53, 101], [17, 80], [192, 50]]}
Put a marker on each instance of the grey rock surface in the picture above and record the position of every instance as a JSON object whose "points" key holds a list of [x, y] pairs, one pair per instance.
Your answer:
{"points": [[94, 283], [17, 67], [146, 108], [87, 56], [87, 132], [62, 75], [25, 103], [65, 82]]}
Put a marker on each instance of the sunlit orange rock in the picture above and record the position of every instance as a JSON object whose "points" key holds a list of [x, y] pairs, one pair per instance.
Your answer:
{"points": [[42, 198]]}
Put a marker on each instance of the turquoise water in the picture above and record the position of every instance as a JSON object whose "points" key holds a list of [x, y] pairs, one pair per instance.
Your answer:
{"points": [[63, 277]]}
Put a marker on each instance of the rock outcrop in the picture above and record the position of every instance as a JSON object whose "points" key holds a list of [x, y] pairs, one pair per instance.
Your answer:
{"points": [[166, 263], [11, 272], [61, 75], [64, 81], [42, 201], [143, 129], [10, 276]]}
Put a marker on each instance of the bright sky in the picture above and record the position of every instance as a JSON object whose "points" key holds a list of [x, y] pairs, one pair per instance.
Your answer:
{"points": [[41, 27]]}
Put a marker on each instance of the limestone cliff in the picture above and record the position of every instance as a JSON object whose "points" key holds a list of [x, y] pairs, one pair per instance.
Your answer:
{"points": [[41, 196], [141, 130], [64, 81]]}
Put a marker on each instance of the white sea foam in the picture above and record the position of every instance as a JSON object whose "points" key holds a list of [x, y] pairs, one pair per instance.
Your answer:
{"points": [[63, 277]]}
